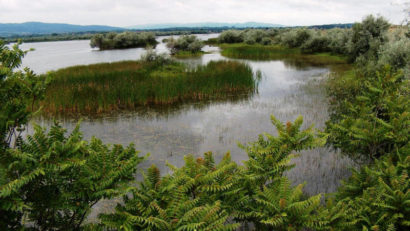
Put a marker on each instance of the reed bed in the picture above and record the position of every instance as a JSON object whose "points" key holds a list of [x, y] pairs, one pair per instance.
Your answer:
{"points": [[108, 87], [277, 52]]}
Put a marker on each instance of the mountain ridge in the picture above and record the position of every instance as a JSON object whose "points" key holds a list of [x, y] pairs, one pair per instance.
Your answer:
{"points": [[27, 28], [204, 25]]}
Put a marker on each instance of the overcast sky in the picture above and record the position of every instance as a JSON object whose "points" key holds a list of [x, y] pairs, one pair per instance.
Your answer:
{"points": [[137, 12]]}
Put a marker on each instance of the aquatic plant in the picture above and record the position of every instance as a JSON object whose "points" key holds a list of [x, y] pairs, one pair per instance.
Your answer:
{"points": [[126, 85]]}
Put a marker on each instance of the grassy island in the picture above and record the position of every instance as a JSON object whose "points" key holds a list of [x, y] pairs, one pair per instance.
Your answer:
{"points": [[124, 85]]}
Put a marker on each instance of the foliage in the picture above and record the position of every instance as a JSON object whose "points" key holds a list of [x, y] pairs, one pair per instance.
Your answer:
{"points": [[269, 157], [254, 193], [378, 195], [367, 37], [395, 53], [295, 38], [19, 90], [316, 44], [374, 122], [151, 56], [282, 207], [230, 36], [126, 39], [188, 199], [189, 43], [125, 85], [59, 178]]}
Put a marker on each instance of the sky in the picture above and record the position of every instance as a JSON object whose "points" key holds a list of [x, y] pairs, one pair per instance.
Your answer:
{"points": [[139, 12]]}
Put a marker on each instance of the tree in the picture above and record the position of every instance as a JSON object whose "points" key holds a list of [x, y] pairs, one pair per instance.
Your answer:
{"points": [[367, 37], [50, 178], [18, 92]]}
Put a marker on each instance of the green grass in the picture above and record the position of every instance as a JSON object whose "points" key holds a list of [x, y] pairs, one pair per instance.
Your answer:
{"points": [[277, 52], [108, 87], [188, 54]]}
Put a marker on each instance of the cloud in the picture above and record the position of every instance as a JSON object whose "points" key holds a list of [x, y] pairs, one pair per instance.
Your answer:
{"points": [[132, 12]]}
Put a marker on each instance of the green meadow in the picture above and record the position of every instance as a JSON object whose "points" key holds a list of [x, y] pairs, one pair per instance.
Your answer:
{"points": [[108, 87]]}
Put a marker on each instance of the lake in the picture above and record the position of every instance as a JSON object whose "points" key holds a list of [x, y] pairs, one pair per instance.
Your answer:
{"points": [[287, 89]]}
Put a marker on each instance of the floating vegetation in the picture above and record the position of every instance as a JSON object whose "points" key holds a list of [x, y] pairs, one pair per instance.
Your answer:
{"points": [[108, 87]]}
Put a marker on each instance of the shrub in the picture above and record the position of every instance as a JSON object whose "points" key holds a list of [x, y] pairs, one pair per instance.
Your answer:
{"points": [[367, 37], [395, 53], [374, 122], [295, 38], [231, 36], [188, 43], [123, 40], [377, 196], [188, 199], [151, 56], [315, 44], [59, 178]]}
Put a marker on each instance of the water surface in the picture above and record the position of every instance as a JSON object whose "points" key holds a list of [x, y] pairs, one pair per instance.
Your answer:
{"points": [[286, 89]]}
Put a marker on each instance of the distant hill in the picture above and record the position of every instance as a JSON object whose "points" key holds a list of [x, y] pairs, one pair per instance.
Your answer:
{"points": [[40, 28], [204, 25], [32, 28]]}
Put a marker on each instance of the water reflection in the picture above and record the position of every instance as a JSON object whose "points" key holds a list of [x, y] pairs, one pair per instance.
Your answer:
{"points": [[288, 87]]}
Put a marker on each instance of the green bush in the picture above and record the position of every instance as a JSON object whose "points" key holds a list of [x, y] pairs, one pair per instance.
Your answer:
{"points": [[189, 43], [123, 40], [295, 38], [60, 177], [231, 36], [374, 122], [367, 37]]}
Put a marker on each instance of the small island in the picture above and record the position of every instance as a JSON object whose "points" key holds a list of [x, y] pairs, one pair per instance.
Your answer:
{"points": [[185, 46], [154, 80], [123, 40]]}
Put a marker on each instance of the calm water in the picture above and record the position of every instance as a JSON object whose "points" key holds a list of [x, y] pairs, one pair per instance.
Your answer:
{"points": [[286, 90]]}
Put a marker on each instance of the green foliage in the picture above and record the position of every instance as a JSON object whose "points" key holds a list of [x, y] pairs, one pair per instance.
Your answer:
{"points": [[269, 157], [125, 85], [395, 53], [191, 198], [367, 37], [378, 195], [126, 39], [282, 207], [188, 43], [19, 90], [230, 36], [59, 178], [295, 38], [316, 44], [375, 122]]}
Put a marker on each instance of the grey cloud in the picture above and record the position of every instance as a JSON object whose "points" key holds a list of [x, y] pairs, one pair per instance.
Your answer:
{"points": [[131, 12]]}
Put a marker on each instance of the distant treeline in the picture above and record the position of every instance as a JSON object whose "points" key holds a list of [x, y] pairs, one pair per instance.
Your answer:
{"points": [[158, 32]]}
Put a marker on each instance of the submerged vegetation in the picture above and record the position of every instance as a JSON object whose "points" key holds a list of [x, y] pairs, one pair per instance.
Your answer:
{"points": [[125, 85], [127, 39], [51, 180]]}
